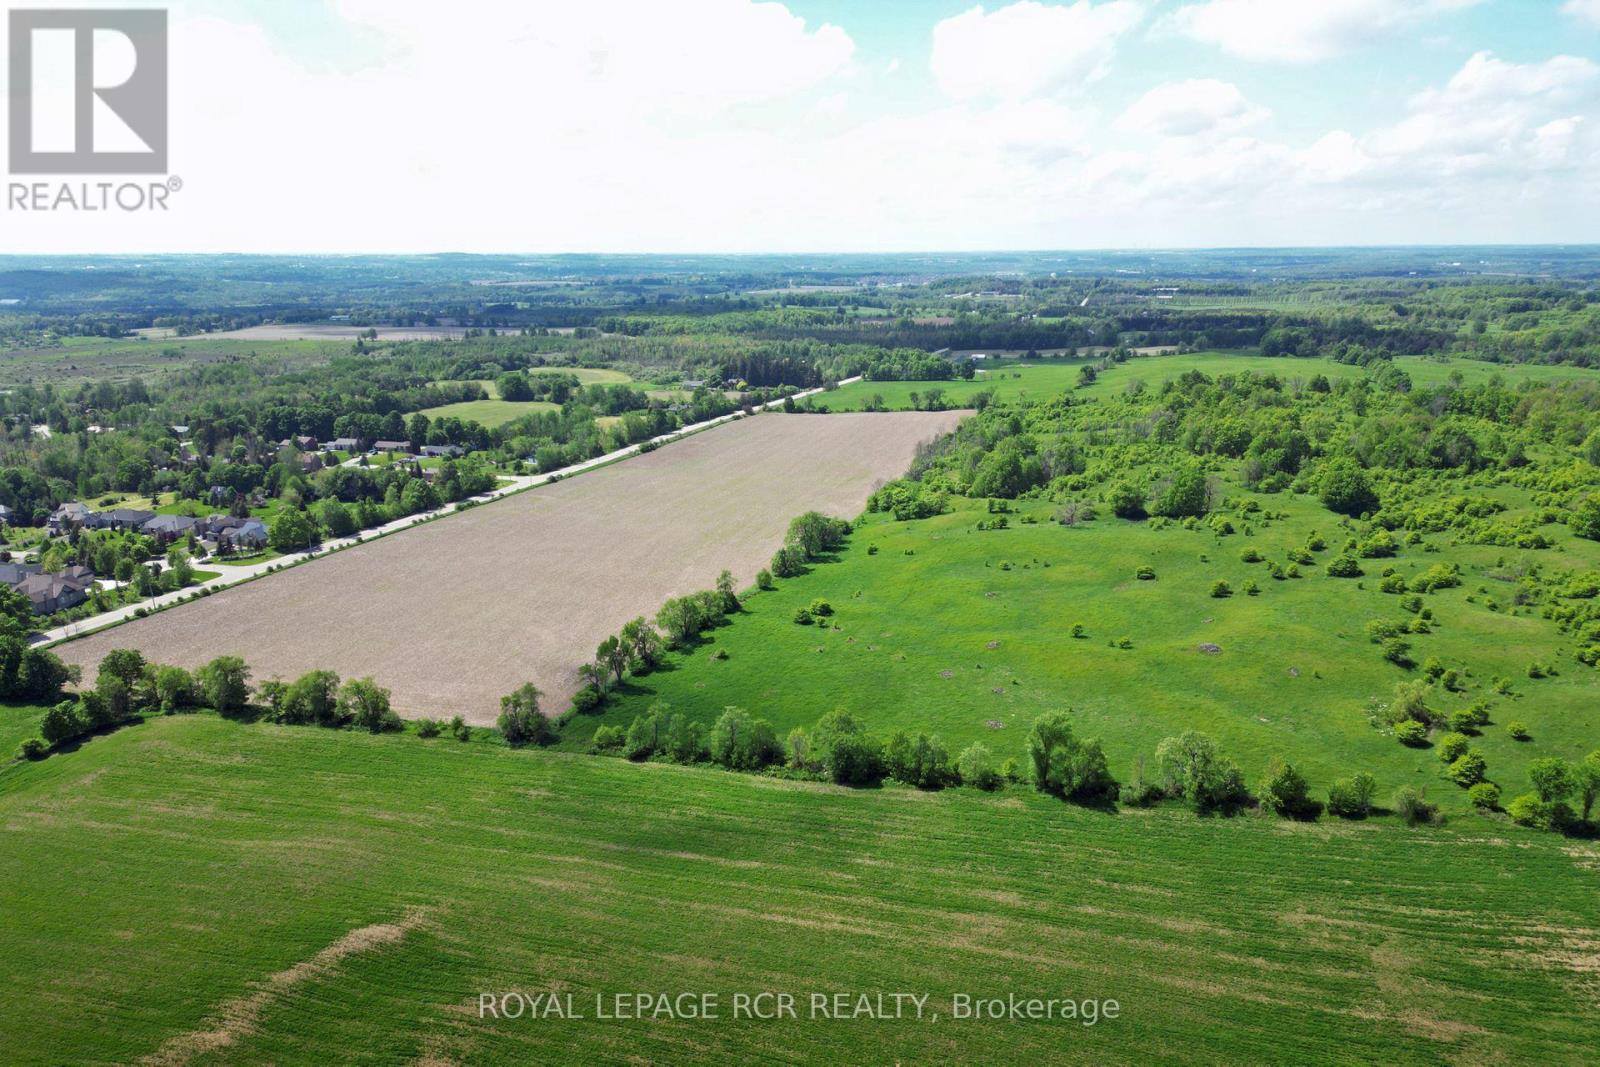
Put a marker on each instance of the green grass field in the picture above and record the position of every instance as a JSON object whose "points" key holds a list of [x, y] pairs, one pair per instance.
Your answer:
{"points": [[967, 633], [496, 412], [200, 891], [490, 413], [18, 722], [1024, 379]]}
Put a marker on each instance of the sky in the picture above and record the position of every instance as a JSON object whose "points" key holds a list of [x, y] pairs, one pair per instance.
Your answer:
{"points": [[341, 126]]}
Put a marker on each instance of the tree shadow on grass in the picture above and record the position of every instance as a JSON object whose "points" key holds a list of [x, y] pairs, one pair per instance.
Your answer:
{"points": [[71, 745]]}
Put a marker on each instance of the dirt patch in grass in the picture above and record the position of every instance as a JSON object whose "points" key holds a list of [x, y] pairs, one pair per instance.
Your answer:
{"points": [[453, 614], [238, 1017]]}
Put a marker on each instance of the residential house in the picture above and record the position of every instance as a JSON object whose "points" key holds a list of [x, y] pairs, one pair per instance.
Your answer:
{"points": [[68, 516], [6, 514], [342, 444], [169, 528], [180, 431], [306, 442], [50, 593], [443, 451], [392, 446], [249, 534], [118, 519], [12, 574], [310, 462], [230, 531]]}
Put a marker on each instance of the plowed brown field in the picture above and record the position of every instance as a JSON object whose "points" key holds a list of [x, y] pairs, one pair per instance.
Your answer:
{"points": [[456, 613]]}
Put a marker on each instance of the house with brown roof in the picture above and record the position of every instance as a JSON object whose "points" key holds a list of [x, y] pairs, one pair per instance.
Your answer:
{"points": [[50, 593]]}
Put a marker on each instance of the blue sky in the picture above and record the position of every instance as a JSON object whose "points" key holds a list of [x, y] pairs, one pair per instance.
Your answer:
{"points": [[722, 125]]}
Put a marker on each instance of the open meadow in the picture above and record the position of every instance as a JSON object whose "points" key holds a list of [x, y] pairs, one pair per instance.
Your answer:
{"points": [[939, 626], [198, 891], [77, 359], [458, 612], [1010, 380]]}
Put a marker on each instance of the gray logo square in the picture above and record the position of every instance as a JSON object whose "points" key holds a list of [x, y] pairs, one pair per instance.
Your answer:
{"points": [[140, 102]]}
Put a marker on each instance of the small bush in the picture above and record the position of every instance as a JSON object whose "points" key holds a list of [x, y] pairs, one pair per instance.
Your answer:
{"points": [[607, 738], [1249, 555], [33, 748], [459, 729], [1529, 810], [1411, 732], [1284, 792], [1351, 798], [429, 728], [1220, 589], [1518, 730], [1397, 651], [821, 608], [1468, 769], [1251, 588], [1484, 796], [1145, 574], [764, 578], [977, 769], [1453, 746], [1412, 807], [588, 700], [1344, 567], [1079, 631], [521, 722], [802, 616]]}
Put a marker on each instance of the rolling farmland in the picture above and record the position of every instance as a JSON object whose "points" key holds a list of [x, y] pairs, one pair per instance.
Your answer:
{"points": [[456, 613], [201, 891]]}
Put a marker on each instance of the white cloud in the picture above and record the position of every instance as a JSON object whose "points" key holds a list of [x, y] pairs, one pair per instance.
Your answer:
{"points": [[613, 128], [1488, 117], [1191, 108], [1300, 31], [1587, 10], [1028, 49]]}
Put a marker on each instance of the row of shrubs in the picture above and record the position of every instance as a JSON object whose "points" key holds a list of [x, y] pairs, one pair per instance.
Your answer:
{"points": [[1054, 760], [637, 649], [128, 686]]}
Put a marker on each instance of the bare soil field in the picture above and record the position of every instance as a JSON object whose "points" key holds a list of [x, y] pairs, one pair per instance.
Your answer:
{"points": [[457, 612]]}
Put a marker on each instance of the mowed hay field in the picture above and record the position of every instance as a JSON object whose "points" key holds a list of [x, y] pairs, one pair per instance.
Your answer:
{"points": [[200, 891], [456, 613]]}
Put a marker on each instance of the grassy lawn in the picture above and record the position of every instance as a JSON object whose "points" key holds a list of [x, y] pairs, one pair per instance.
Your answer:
{"points": [[967, 633], [219, 892], [17, 723]]}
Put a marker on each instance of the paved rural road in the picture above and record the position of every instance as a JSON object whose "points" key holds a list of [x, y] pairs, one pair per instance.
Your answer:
{"points": [[233, 575]]}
